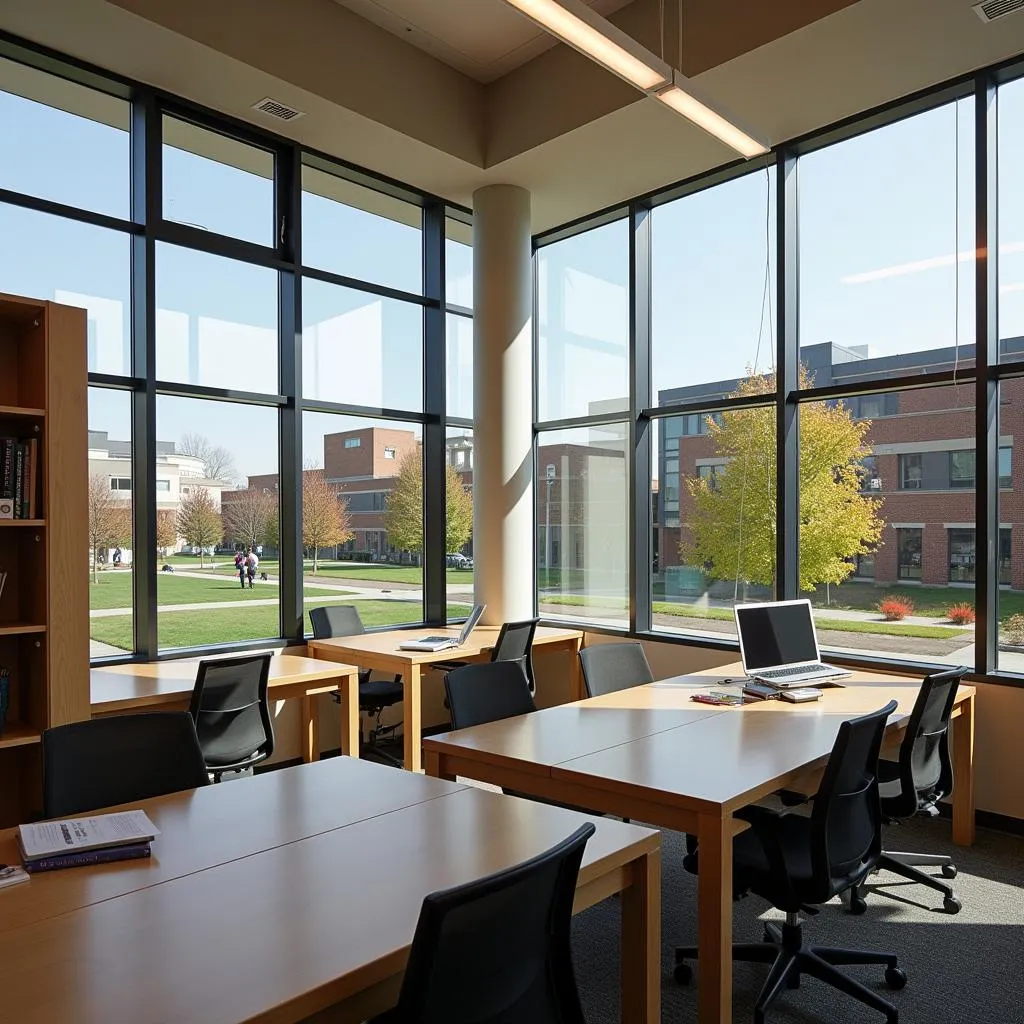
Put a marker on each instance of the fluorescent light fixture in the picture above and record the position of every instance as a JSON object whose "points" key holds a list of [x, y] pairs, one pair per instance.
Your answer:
{"points": [[575, 23], [680, 97]]}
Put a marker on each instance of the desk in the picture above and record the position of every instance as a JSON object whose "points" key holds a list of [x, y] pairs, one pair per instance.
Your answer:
{"points": [[167, 685], [381, 651], [271, 873], [666, 760]]}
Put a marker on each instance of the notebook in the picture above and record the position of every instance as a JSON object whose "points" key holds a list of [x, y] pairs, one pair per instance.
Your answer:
{"points": [[444, 643]]}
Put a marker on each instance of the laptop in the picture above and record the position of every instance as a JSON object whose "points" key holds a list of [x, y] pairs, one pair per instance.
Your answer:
{"points": [[444, 643], [779, 645]]}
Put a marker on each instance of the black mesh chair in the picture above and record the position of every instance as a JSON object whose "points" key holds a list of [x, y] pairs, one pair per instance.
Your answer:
{"points": [[374, 694], [497, 951], [611, 667], [119, 760], [918, 781], [487, 692], [514, 643], [231, 710], [795, 861]]}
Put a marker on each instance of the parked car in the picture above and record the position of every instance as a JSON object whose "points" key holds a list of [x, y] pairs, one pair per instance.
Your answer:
{"points": [[457, 560]]}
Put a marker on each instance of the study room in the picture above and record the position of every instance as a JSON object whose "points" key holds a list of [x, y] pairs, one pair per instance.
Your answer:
{"points": [[509, 511]]}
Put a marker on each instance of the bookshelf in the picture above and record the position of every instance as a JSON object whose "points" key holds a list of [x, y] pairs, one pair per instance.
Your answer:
{"points": [[44, 605]]}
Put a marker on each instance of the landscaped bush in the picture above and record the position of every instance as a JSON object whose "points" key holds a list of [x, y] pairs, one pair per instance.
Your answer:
{"points": [[1012, 631], [961, 614], [894, 609]]}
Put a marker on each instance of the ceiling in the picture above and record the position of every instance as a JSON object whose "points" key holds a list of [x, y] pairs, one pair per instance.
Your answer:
{"points": [[578, 138], [484, 39]]}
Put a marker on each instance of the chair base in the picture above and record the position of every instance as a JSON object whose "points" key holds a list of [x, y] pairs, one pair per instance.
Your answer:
{"points": [[908, 865], [789, 958]]}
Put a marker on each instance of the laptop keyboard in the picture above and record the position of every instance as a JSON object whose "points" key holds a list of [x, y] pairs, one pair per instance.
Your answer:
{"points": [[799, 670]]}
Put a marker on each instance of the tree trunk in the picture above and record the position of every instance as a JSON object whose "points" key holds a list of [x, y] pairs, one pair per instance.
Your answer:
{"points": [[201, 563], [95, 565], [314, 559]]}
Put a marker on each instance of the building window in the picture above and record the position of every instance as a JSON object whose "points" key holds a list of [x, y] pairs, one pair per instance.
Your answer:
{"points": [[389, 453], [871, 407], [1006, 468], [909, 549], [710, 474], [1005, 551], [869, 479], [353, 442], [864, 566], [911, 472], [962, 556], [120, 483], [962, 470], [163, 485]]}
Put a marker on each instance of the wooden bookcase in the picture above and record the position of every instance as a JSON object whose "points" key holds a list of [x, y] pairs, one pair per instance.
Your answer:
{"points": [[44, 607]]}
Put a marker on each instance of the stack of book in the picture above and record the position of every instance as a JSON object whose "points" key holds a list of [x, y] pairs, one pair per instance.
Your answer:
{"points": [[19, 474], [51, 845]]}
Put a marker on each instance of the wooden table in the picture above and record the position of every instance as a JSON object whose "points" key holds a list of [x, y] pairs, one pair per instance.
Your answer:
{"points": [[167, 685], [381, 651], [302, 888], [653, 755]]}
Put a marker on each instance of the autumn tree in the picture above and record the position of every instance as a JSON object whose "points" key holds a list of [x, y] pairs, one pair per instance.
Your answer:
{"points": [[732, 521], [218, 462], [249, 516], [166, 529], [403, 516], [325, 518], [198, 521], [110, 519]]}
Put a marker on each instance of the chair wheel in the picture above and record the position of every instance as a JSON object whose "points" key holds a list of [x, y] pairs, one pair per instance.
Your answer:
{"points": [[683, 973], [951, 905], [857, 905], [895, 978], [949, 871]]}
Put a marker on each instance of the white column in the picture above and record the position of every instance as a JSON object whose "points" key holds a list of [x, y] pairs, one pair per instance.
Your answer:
{"points": [[503, 402]]}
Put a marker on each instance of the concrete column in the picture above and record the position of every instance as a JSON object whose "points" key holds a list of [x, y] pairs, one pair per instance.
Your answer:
{"points": [[503, 402]]}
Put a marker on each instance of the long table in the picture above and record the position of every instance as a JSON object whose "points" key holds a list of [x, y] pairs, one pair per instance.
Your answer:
{"points": [[652, 754], [276, 897], [167, 685], [381, 651]]}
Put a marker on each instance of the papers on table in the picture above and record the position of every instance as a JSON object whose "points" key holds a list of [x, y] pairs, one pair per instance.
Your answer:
{"points": [[72, 835]]}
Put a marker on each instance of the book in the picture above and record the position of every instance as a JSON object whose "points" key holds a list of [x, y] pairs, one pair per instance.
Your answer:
{"points": [[131, 851], [32, 487], [19, 471], [73, 835], [11, 874]]}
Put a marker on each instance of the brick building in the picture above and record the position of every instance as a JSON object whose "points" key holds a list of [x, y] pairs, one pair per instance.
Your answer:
{"points": [[922, 466]]}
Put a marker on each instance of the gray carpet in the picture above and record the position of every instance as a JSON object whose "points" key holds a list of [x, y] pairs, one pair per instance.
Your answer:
{"points": [[963, 969]]}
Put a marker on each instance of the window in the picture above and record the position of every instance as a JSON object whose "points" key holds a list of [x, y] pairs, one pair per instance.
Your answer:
{"points": [[1006, 468], [459, 366], [709, 474], [909, 553], [1010, 211], [120, 483], [389, 453], [1005, 556], [911, 472], [459, 444], [961, 469], [871, 407], [163, 485], [353, 442], [864, 566], [869, 478], [458, 263], [961, 556]]}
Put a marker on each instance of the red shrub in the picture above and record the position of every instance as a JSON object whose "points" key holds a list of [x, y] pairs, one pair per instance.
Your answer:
{"points": [[895, 608], [961, 614]]}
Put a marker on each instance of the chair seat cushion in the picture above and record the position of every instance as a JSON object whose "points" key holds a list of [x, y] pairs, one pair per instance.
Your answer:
{"points": [[379, 693]]}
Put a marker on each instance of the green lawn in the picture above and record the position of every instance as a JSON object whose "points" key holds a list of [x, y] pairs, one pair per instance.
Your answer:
{"points": [[231, 625], [933, 602]]}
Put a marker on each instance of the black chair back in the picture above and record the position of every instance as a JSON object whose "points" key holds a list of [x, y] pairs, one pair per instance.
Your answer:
{"points": [[926, 770], [611, 667], [846, 821], [119, 760], [515, 643], [335, 620], [487, 692], [232, 711], [497, 950]]}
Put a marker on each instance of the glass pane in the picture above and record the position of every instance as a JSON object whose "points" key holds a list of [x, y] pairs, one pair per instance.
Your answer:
{"points": [[111, 557], [459, 532], [216, 183], [78, 265], [1011, 220], [713, 288], [714, 516], [1010, 564], [887, 511], [887, 248], [216, 321], [63, 142], [360, 233], [361, 349], [459, 337], [583, 329], [458, 263], [582, 512], [216, 498], [362, 516]]}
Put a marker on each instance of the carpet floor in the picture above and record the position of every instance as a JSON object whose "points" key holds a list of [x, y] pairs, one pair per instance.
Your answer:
{"points": [[962, 969]]}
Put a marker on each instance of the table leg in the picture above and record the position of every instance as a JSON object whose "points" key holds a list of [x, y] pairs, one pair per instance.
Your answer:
{"points": [[433, 765], [412, 718], [641, 942], [310, 728], [349, 690], [579, 691], [714, 919], [963, 774]]}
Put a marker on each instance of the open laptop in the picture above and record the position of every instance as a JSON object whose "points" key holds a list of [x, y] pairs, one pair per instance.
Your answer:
{"points": [[444, 643], [779, 645]]}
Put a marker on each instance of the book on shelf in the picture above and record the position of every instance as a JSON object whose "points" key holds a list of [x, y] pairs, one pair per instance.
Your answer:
{"points": [[106, 855], [71, 836], [19, 478]]}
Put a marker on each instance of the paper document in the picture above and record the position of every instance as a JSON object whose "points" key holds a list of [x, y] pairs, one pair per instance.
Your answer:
{"points": [[48, 838]]}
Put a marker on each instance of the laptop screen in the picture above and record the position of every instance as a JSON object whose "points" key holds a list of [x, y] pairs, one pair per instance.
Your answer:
{"points": [[776, 634], [474, 618]]}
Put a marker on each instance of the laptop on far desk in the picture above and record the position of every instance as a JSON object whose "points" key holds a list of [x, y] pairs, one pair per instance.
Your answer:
{"points": [[444, 643], [779, 645]]}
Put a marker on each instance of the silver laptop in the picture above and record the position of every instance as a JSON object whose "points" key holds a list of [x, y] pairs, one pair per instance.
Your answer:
{"points": [[444, 643], [779, 645]]}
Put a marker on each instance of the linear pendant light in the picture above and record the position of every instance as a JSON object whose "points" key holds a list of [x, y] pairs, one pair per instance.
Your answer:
{"points": [[595, 37]]}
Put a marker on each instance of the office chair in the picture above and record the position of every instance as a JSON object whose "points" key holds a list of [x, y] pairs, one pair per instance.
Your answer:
{"points": [[487, 691], [119, 760], [497, 950], [514, 643], [231, 710], [796, 861], [374, 694], [611, 667], [917, 781]]}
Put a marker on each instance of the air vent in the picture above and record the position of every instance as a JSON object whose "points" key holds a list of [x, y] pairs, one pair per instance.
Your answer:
{"points": [[275, 108], [994, 9]]}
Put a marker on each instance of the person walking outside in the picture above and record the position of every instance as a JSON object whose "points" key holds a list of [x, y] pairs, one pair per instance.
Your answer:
{"points": [[240, 567], [252, 563]]}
